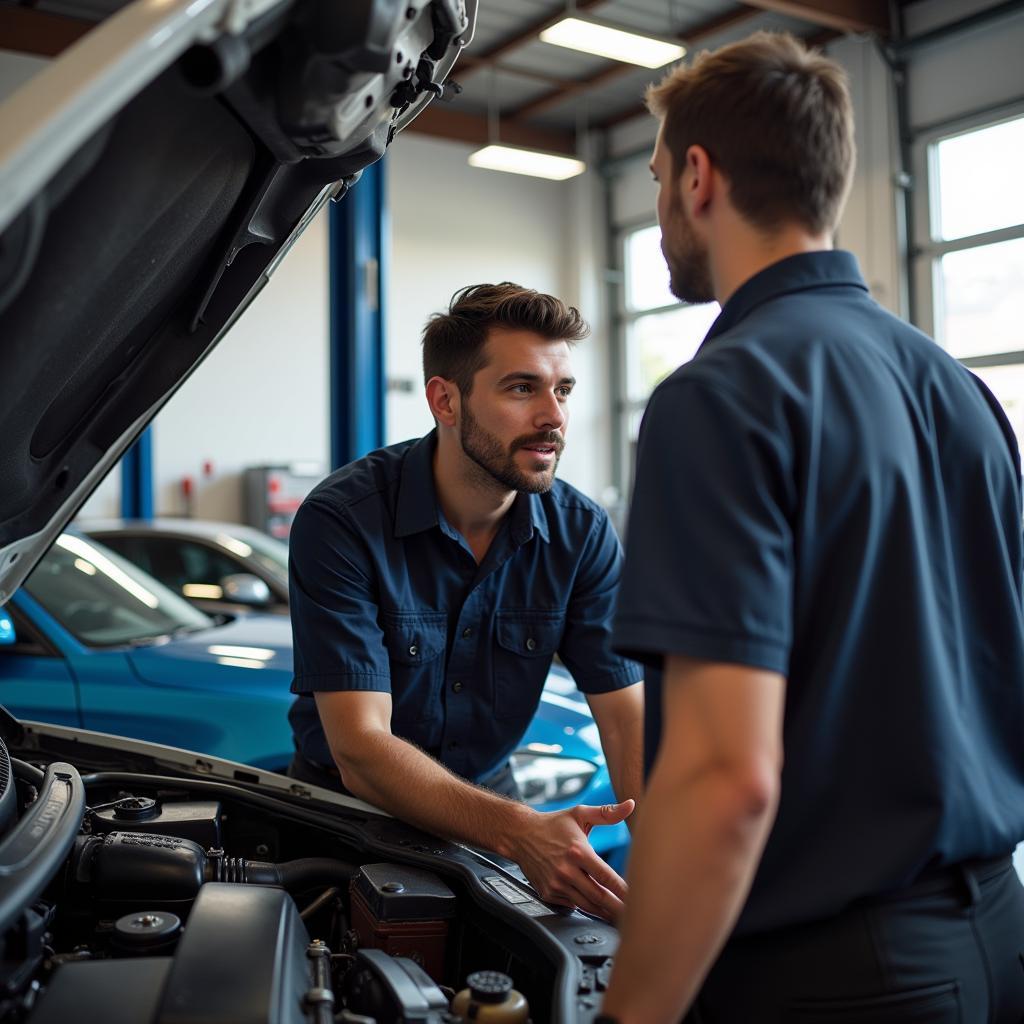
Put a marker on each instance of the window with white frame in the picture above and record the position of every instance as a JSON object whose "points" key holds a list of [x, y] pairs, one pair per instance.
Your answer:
{"points": [[972, 261], [660, 332]]}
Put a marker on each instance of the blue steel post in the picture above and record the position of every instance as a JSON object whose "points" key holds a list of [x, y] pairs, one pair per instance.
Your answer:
{"points": [[137, 478], [358, 271]]}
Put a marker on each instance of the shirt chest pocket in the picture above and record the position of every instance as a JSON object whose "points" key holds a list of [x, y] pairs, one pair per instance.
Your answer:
{"points": [[415, 644], [526, 643]]}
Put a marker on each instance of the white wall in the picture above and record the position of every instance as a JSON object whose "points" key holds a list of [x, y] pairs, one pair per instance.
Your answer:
{"points": [[455, 225], [261, 397]]}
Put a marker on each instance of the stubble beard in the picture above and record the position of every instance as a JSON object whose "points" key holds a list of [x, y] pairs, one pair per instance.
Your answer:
{"points": [[496, 463], [689, 266]]}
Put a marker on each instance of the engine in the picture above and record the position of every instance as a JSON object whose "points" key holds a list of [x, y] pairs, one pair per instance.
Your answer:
{"points": [[165, 905]]}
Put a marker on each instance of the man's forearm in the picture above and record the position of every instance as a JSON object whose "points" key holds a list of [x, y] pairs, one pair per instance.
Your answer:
{"points": [[406, 782], [695, 851], [623, 751]]}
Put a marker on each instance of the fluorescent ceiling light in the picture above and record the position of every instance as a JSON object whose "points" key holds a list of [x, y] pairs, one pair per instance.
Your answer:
{"points": [[527, 161], [607, 41]]}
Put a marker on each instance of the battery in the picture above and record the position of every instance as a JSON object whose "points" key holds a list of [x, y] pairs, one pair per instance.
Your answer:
{"points": [[403, 911]]}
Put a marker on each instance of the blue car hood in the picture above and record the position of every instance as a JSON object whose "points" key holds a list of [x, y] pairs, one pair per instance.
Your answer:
{"points": [[255, 648], [564, 723]]}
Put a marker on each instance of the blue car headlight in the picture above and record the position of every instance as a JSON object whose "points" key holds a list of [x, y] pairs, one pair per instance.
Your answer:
{"points": [[547, 778]]}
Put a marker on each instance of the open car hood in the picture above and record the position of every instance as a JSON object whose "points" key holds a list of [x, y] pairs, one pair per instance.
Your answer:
{"points": [[151, 178]]}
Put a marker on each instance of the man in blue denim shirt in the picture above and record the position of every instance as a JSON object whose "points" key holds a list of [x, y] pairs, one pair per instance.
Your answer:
{"points": [[433, 581]]}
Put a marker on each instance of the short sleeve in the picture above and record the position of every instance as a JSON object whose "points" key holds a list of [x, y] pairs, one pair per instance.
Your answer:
{"points": [[709, 553], [338, 643], [586, 646]]}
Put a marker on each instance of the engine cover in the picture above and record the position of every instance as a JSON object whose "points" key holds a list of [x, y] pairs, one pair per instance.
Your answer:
{"points": [[242, 959]]}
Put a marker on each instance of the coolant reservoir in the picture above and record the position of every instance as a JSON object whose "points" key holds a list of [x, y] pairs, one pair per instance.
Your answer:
{"points": [[490, 999]]}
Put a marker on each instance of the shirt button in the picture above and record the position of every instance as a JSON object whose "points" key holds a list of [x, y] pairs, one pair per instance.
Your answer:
{"points": [[457, 687], [414, 650], [467, 633], [531, 644]]}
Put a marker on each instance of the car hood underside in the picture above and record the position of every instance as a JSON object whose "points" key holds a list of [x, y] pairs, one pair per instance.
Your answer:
{"points": [[218, 134]]}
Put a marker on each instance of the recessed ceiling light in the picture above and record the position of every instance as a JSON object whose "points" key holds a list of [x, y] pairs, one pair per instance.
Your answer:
{"points": [[533, 162], [605, 40]]}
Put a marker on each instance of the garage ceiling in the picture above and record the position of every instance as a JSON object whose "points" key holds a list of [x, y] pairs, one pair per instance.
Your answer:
{"points": [[524, 91], [534, 94]]}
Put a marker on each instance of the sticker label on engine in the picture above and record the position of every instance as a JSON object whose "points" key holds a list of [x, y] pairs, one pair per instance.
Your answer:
{"points": [[521, 900]]}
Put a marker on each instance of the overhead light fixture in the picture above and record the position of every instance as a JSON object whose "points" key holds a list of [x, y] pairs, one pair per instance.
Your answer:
{"points": [[604, 40], [533, 162]]}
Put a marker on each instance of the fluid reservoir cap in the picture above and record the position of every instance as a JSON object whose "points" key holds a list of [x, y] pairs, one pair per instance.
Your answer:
{"points": [[489, 986], [392, 887], [136, 808], [147, 928]]}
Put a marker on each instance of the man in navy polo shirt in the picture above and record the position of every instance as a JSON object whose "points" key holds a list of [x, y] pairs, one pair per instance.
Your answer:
{"points": [[433, 581], [824, 557]]}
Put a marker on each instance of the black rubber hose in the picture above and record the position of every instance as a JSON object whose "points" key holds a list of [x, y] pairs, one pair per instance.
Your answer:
{"points": [[296, 875], [293, 875], [27, 772]]}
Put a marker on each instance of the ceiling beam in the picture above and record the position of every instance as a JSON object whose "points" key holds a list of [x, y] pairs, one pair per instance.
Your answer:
{"points": [[617, 70], [24, 30], [444, 123], [842, 15]]}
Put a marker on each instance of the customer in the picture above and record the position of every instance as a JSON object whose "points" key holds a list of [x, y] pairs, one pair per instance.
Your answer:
{"points": [[824, 556]]}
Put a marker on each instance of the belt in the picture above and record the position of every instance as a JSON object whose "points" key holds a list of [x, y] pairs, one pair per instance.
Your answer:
{"points": [[966, 878]]}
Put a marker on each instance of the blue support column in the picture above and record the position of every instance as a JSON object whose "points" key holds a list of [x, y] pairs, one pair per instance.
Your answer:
{"points": [[137, 478], [358, 270]]}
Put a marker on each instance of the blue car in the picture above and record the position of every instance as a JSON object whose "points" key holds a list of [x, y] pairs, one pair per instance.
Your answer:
{"points": [[91, 641]]}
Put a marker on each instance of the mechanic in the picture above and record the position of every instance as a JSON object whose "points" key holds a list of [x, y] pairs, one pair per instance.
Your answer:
{"points": [[824, 556], [432, 582]]}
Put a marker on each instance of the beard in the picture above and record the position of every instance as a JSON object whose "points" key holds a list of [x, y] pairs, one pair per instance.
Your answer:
{"points": [[689, 267], [497, 463]]}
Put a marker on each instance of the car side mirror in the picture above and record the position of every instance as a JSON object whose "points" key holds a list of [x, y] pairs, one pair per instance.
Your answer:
{"points": [[8, 637], [245, 588]]}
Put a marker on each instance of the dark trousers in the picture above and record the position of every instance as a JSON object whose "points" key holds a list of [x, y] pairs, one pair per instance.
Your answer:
{"points": [[501, 781], [947, 950]]}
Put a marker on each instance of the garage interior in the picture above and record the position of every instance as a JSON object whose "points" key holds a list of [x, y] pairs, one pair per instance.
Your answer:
{"points": [[425, 223], [324, 366]]}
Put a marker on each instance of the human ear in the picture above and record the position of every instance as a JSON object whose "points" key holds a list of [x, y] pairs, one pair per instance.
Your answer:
{"points": [[696, 181], [443, 400]]}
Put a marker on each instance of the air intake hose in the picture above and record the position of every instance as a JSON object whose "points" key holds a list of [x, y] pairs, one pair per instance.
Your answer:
{"points": [[129, 866]]}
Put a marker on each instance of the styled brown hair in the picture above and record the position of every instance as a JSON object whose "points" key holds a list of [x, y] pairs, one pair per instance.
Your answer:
{"points": [[453, 342], [775, 119]]}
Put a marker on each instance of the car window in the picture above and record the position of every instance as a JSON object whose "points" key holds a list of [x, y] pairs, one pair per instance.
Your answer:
{"points": [[103, 599], [269, 552], [179, 564], [207, 565]]}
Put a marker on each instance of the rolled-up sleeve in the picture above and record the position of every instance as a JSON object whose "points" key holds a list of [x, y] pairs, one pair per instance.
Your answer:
{"points": [[338, 642], [709, 551], [586, 646]]}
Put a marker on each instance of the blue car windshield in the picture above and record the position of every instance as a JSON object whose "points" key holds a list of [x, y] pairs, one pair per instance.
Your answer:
{"points": [[104, 600]]}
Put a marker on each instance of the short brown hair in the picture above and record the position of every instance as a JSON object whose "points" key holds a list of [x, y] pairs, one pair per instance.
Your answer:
{"points": [[453, 342], [776, 120]]}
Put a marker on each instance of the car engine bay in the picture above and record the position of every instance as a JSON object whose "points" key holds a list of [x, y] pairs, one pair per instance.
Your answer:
{"points": [[155, 898]]}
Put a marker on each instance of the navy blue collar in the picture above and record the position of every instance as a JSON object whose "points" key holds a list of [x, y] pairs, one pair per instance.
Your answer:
{"points": [[826, 269], [417, 509]]}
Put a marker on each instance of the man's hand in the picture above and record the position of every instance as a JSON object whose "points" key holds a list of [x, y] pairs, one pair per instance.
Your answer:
{"points": [[557, 858], [552, 848]]}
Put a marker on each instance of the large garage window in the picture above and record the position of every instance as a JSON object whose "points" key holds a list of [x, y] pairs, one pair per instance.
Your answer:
{"points": [[971, 258], [660, 332]]}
